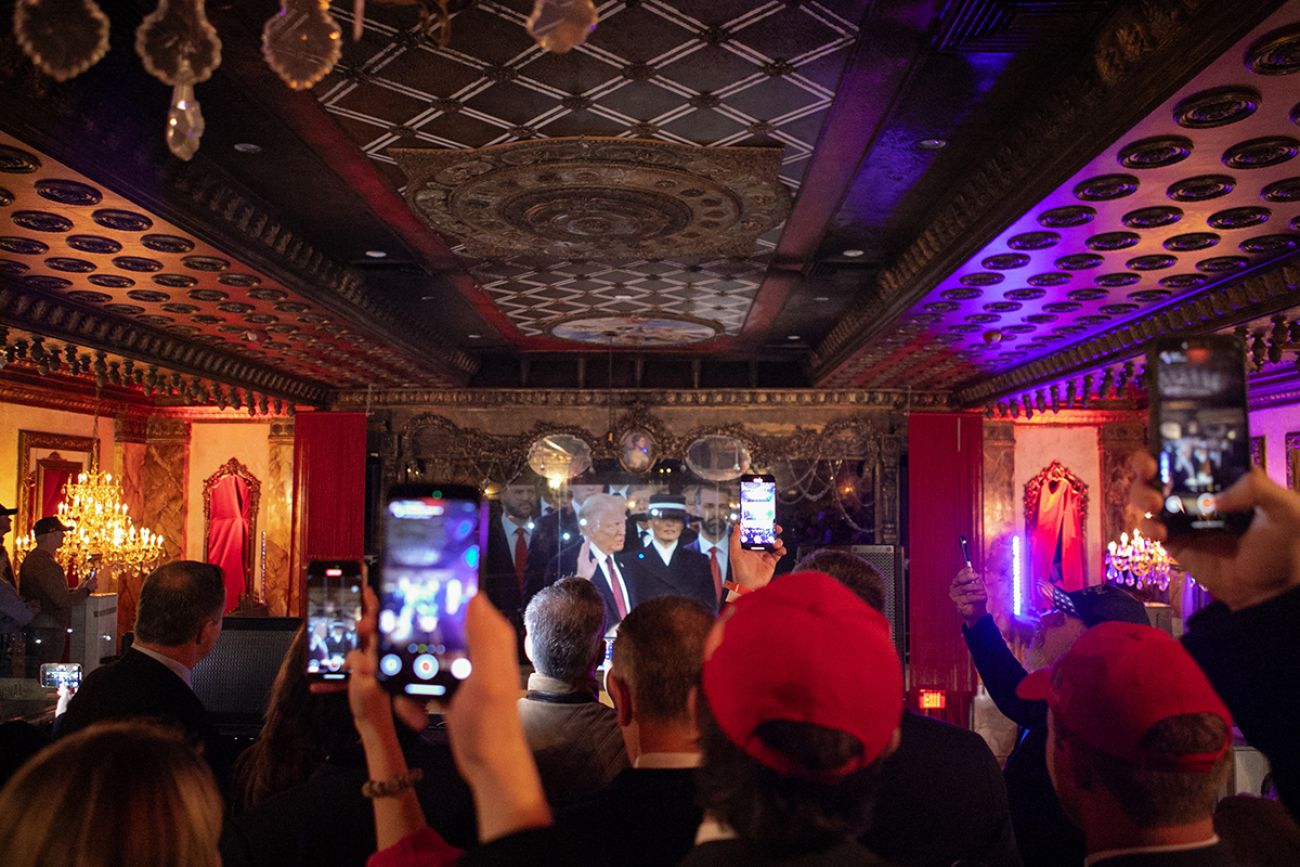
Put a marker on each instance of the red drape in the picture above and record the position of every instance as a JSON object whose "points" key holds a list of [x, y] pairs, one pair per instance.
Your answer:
{"points": [[1060, 520], [329, 490], [228, 538], [945, 468]]}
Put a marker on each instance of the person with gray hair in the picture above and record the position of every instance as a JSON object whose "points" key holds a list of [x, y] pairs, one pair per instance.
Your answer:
{"points": [[176, 625], [574, 738]]}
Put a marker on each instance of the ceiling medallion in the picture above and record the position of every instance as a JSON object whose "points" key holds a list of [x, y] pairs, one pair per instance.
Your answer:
{"points": [[1269, 245], [646, 331], [1191, 241], [1067, 217], [1282, 191], [981, 279], [1261, 153], [1155, 153], [1117, 279], [1238, 218], [1201, 187], [1108, 241], [1277, 53], [1218, 107], [1034, 241], [1106, 187], [598, 198]]}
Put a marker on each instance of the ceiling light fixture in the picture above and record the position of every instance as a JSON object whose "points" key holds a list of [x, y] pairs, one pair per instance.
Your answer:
{"points": [[932, 144], [854, 253], [792, 337], [822, 298], [376, 254], [247, 147], [474, 336]]}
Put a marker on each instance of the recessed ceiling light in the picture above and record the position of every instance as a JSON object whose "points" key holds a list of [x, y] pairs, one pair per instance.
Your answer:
{"points": [[247, 147], [474, 336], [624, 297], [932, 144], [854, 253], [822, 298], [428, 297], [792, 337], [376, 254]]}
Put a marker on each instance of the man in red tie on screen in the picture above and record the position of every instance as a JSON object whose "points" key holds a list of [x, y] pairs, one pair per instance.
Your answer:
{"points": [[510, 535], [599, 558]]}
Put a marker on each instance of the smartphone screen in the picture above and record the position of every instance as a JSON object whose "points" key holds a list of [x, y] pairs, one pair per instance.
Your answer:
{"points": [[433, 539], [56, 674], [1201, 437], [333, 609], [757, 512]]}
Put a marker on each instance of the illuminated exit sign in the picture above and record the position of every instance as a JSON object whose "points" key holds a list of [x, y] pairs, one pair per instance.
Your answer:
{"points": [[933, 699]]}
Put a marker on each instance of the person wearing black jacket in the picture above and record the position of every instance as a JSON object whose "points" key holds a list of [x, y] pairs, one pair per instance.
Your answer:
{"points": [[1044, 833]]}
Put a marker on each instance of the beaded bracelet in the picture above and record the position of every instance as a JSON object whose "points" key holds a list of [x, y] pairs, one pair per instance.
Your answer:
{"points": [[391, 787]]}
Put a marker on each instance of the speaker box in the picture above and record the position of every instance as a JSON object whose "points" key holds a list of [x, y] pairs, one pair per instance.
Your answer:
{"points": [[888, 561], [234, 681]]}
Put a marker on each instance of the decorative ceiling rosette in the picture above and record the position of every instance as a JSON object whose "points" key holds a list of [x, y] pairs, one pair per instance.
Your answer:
{"points": [[627, 331], [62, 38], [302, 42], [179, 46], [604, 199]]}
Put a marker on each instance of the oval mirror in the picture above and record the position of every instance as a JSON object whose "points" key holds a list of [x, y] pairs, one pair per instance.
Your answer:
{"points": [[718, 458], [559, 457]]}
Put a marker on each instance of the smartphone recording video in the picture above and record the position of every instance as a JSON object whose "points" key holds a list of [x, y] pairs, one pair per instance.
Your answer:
{"points": [[434, 535], [333, 609], [56, 674], [1200, 433], [757, 512]]}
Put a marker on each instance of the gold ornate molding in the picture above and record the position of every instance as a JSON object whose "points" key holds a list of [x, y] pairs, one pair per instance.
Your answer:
{"points": [[894, 399], [130, 428], [34, 440], [162, 429]]}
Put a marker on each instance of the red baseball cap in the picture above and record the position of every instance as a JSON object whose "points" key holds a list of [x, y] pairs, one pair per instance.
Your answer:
{"points": [[805, 649], [1120, 679]]}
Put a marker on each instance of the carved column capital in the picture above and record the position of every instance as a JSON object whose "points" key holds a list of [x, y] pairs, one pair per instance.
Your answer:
{"points": [[130, 428]]}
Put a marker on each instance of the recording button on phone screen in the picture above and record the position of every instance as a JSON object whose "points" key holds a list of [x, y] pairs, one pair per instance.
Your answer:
{"points": [[390, 664], [426, 666], [1205, 502]]}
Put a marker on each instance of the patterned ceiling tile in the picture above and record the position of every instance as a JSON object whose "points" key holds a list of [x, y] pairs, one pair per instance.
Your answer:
{"points": [[1129, 250], [685, 71], [150, 271]]}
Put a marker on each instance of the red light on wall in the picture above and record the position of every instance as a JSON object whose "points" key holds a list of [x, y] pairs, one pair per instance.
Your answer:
{"points": [[933, 699]]}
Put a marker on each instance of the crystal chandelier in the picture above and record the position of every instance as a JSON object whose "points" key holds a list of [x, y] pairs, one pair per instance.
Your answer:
{"points": [[101, 533], [1138, 562]]}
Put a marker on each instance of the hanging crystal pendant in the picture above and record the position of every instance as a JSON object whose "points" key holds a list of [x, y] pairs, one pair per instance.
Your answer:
{"points": [[559, 25], [184, 121], [178, 31], [62, 38], [302, 42]]}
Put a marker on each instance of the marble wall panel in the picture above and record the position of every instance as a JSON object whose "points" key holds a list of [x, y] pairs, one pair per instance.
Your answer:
{"points": [[281, 590], [1119, 440]]}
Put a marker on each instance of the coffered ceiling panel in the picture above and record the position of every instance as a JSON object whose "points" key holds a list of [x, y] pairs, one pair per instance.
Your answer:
{"points": [[718, 74], [1202, 193], [66, 236]]}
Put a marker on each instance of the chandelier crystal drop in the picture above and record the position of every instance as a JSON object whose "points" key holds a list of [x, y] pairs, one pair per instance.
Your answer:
{"points": [[1138, 562]]}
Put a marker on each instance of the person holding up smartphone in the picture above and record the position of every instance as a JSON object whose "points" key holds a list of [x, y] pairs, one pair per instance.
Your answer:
{"points": [[1248, 642]]}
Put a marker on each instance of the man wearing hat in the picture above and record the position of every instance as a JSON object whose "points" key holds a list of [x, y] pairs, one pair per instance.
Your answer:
{"points": [[800, 701], [1138, 747], [14, 613], [666, 567], [41, 580], [1044, 833]]}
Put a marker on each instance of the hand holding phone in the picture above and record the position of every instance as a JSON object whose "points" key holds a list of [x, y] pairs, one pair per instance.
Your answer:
{"points": [[56, 674], [333, 610], [757, 512], [1199, 432]]}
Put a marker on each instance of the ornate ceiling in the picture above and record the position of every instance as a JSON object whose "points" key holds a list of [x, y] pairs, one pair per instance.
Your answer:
{"points": [[990, 198]]}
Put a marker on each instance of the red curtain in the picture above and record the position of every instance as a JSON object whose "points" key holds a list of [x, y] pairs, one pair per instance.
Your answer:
{"points": [[1060, 521], [228, 539], [945, 470], [329, 490]]}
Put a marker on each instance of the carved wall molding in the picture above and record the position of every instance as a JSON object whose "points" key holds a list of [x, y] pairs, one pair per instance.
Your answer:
{"points": [[1142, 51], [65, 320], [1261, 294], [162, 429], [894, 399], [973, 26], [133, 428], [30, 441], [281, 430]]}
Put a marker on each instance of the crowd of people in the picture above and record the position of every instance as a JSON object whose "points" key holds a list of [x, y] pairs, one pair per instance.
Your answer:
{"points": [[753, 718]]}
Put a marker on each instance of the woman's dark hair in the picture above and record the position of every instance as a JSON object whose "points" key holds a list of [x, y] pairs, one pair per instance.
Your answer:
{"points": [[300, 730], [785, 814]]}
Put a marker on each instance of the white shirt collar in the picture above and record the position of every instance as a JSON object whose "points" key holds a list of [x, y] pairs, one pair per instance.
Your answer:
{"points": [[508, 524], [172, 665], [667, 760], [1137, 850], [665, 551], [711, 829]]}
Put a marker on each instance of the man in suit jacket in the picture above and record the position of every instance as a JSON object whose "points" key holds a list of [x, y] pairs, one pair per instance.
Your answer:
{"points": [[510, 535], [647, 816], [667, 568], [712, 510], [176, 625], [554, 531], [41, 580], [599, 557]]}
